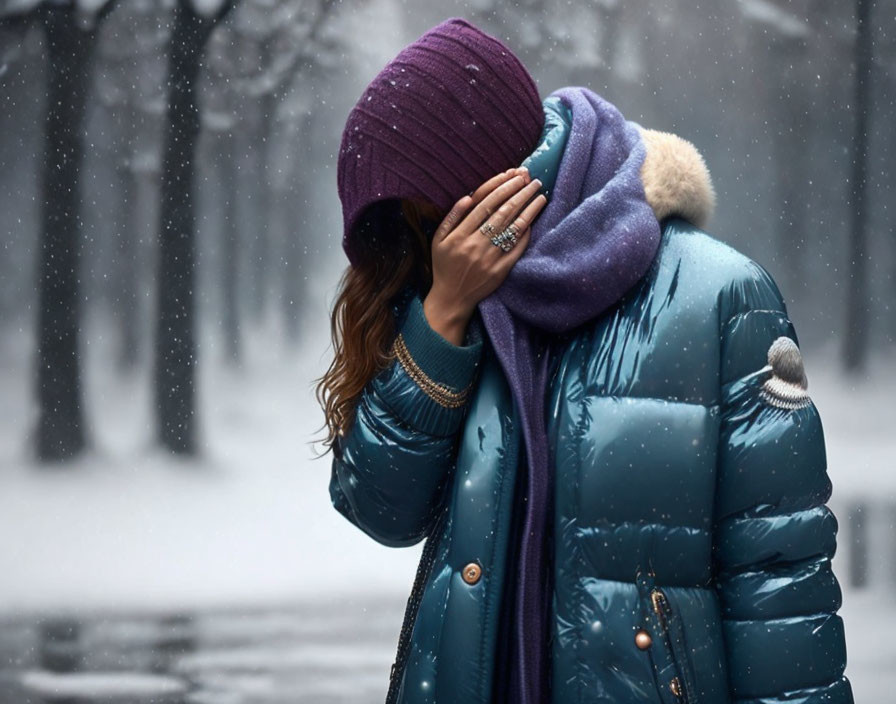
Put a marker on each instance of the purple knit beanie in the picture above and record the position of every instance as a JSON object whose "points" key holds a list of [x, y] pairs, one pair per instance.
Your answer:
{"points": [[450, 111]]}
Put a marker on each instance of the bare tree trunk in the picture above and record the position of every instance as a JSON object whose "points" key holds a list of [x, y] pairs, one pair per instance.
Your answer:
{"points": [[60, 424], [289, 219], [791, 147], [175, 359], [855, 343], [127, 237], [230, 252], [260, 244]]}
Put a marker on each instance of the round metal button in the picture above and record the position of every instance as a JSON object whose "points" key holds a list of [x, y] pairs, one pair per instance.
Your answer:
{"points": [[471, 573], [643, 639]]}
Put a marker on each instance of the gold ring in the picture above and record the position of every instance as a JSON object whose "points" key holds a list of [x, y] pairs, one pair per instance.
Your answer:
{"points": [[487, 229]]}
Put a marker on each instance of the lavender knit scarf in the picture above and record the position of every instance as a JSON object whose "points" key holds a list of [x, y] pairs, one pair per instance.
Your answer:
{"points": [[591, 243]]}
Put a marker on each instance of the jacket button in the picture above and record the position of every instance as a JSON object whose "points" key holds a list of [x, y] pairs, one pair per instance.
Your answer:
{"points": [[471, 573], [643, 639]]}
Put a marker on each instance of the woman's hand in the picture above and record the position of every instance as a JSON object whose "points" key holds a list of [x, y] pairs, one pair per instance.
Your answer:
{"points": [[466, 266]]}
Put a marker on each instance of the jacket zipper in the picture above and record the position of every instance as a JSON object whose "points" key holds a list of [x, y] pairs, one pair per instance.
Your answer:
{"points": [[679, 684], [427, 558]]}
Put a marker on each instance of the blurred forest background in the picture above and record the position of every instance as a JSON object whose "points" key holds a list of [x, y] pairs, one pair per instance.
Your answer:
{"points": [[169, 251], [168, 163]]}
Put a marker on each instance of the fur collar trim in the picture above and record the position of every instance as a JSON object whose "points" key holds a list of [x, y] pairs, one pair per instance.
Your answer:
{"points": [[676, 179]]}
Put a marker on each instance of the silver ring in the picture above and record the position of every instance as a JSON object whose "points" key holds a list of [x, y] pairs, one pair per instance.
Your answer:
{"points": [[487, 229], [511, 232], [503, 241]]}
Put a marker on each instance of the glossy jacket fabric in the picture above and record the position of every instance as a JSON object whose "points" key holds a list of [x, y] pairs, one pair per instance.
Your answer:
{"points": [[692, 542]]}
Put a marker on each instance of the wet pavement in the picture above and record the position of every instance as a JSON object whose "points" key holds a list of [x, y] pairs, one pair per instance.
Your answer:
{"points": [[327, 653]]}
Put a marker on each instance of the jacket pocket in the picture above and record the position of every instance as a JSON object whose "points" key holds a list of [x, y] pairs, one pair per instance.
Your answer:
{"points": [[667, 650]]}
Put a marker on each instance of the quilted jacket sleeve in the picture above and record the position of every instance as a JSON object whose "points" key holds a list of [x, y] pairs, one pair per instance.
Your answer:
{"points": [[390, 469], [774, 536]]}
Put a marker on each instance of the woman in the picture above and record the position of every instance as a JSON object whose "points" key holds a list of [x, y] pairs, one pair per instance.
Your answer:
{"points": [[595, 412]]}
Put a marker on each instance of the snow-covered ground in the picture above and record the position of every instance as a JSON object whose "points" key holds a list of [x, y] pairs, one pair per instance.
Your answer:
{"points": [[127, 527], [249, 525]]}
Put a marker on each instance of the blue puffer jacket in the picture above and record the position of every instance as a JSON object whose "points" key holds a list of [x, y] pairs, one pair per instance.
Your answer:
{"points": [[692, 544]]}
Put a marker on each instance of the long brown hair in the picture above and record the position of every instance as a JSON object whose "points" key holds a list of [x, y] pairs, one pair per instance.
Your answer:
{"points": [[393, 254]]}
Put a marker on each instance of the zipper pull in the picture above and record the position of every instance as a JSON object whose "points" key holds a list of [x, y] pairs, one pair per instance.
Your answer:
{"points": [[675, 686], [658, 599]]}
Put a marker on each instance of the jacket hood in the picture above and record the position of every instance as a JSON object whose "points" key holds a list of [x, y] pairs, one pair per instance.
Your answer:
{"points": [[674, 174]]}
